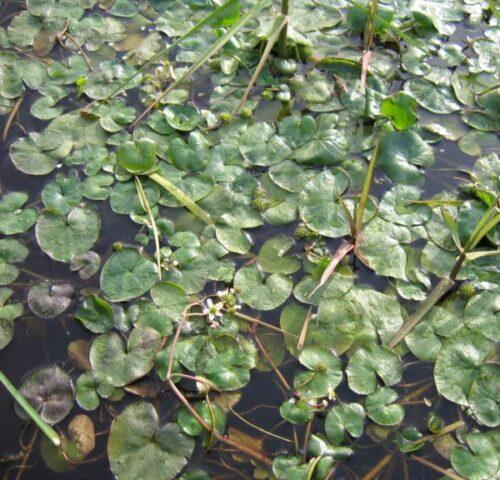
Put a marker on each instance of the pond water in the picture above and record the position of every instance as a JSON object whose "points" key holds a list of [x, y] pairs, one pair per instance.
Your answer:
{"points": [[41, 342]]}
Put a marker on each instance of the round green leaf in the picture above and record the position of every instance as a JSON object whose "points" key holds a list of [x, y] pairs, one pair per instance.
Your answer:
{"points": [[182, 117], [122, 365], [50, 392], [138, 447], [272, 256], [62, 237], [127, 274], [318, 206], [370, 362], [380, 407], [260, 293], [348, 417], [50, 300], [13, 218], [401, 154]]}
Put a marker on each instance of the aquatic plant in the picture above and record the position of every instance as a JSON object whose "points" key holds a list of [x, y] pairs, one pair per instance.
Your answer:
{"points": [[250, 206]]}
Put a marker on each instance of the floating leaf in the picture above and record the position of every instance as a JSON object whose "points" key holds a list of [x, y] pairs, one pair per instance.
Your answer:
{"points": [[401, 154], [482, 313], [62, 237], [318, 206], [50, 392], [182, 117], [380, 407], [8, 313], [477, 461], [122, 365], [260, 293], [324, 376], [50, 300], [13, 218], [400, 108], [127, 274], [138, 446], [86, 264], [272, 256], [348, 417], [368, 363], [296, 412]]}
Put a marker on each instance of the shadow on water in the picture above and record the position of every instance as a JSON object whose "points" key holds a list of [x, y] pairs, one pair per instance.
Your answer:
{"points": [[40, 342]]}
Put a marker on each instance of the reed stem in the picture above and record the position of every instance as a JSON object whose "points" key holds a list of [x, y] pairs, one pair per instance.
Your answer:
{"points": [[51, 434]]}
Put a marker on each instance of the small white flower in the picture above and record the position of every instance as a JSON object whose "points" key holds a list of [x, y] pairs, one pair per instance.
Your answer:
{"points": [[212, 309], [324, 403], [222, 293]]}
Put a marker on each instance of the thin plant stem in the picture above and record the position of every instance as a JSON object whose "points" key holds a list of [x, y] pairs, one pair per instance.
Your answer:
{"points": [[261, 323], [80, 49], [224, 439], [307, 436], [12, 115], [437, 468], [269, 360], [50, 433], [256, 427], [282, 42], [360, 207], [143, 200], [305, 329], [279, 24], [219, 43], [368, 41], [29, 449], [378, 468]]}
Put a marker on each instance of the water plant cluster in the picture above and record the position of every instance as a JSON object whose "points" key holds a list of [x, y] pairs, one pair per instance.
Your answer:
{"points": [[271, 164]]}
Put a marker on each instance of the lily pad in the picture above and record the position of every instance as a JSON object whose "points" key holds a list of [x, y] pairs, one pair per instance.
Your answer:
{"points": [[127, 274], [50, 300], [272, 256], [260, 293], [50, 392], [401, 154], [139, 447], [482, 313], [13, 218], [122, 365], [62, 237], [368, 363], [348, 417], [318, 206], [182, 117], [380, 407]]}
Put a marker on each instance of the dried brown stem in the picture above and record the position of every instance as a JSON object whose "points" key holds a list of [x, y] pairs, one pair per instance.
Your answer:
{"points": [[12, 115], [437, 468], [269, 360]]}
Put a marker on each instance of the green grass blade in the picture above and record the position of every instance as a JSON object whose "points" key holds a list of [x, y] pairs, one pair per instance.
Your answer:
{"points": [[390, 26], [211, 16], [282, 47], [243, 20], [279, 24], [360, 208], [182, 198], [51, 434], [143, 200], [437, 292]]}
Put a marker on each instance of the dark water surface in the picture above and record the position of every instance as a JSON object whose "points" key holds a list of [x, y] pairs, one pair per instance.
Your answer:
{"points": [[39, 342]]}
